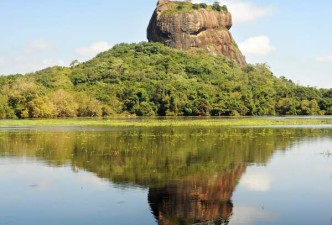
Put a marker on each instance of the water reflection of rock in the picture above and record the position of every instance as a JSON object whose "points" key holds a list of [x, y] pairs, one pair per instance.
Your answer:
{"points": [[196, 200], [154, 158]]}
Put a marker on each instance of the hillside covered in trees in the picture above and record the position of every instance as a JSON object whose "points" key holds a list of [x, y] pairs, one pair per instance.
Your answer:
{"points": [[149, 79]]}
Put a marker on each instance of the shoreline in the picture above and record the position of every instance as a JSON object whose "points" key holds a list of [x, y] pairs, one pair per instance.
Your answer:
{"points": [[174, 122]]}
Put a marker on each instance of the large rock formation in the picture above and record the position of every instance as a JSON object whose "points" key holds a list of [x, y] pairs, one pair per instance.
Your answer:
{"points": [[182, 26]]}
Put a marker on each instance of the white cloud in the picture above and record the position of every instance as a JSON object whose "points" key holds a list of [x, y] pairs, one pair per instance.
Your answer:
{"points": [[93, 49], [259, 45], [33, 56], [3, 170], [91, 180], [26, 175], [38, 46], [327, 58], [257, 181], [245, 11], [325, 168], [244, 214], [30, 64], [25, 63]]}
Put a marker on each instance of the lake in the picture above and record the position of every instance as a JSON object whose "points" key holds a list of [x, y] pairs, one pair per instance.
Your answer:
{"points": [[93, 175]]}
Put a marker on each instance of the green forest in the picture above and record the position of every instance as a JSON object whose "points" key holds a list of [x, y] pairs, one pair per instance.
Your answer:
{"points": [[150, 79]]}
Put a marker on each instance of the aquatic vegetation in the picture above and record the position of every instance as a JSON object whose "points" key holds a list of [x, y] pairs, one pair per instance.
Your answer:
{"points": [[174, 122]]}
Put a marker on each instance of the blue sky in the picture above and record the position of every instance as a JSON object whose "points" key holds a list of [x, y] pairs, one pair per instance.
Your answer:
{"points": [[293, 37]]}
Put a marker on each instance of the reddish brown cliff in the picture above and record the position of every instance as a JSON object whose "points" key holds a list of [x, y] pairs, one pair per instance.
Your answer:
{"points": [[182, 26]]}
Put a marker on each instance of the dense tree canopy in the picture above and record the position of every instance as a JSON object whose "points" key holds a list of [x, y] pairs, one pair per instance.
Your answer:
{"points": [[149, 79]]}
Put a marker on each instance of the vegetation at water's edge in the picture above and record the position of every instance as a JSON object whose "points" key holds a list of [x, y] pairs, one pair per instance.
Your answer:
{"points": [[174, 122], [149, 79]]}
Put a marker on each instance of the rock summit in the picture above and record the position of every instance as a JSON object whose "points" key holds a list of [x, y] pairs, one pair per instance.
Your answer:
{"points": [[188, 26]]}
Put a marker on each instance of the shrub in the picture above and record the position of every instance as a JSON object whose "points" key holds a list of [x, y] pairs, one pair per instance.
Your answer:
{"points": [[195, 6], [224, 8], [216, 6], [203, 5], [180, 6]]}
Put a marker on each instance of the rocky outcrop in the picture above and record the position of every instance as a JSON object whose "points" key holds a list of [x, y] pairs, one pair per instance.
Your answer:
{"points": [[179, 25]]}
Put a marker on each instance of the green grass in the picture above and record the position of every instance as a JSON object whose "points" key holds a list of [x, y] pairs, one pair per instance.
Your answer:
{"points": [[186, 7], [174, 122]]}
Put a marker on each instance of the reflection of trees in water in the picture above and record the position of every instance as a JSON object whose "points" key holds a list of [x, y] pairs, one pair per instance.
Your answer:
{"points": [[154, 157], [191, 173]]}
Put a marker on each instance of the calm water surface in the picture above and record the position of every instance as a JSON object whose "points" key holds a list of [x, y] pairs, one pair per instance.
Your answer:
{"points": [[166, 176]]}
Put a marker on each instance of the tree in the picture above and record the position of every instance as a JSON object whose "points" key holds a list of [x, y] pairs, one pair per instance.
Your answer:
{"points": [[20, 92], [309, 107], [74, 63], [144, 109], [41, 107], [5, 111], [88, 106], [64, 102]]}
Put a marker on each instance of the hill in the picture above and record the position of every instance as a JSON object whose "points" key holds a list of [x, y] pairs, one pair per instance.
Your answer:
{"points": [[150, 79]]}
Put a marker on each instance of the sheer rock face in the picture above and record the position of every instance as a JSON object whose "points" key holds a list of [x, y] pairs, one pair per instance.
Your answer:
{"points": [[197, 29]]}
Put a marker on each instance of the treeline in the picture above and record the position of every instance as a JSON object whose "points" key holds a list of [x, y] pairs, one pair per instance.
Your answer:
{"points": [[149, 79]]}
